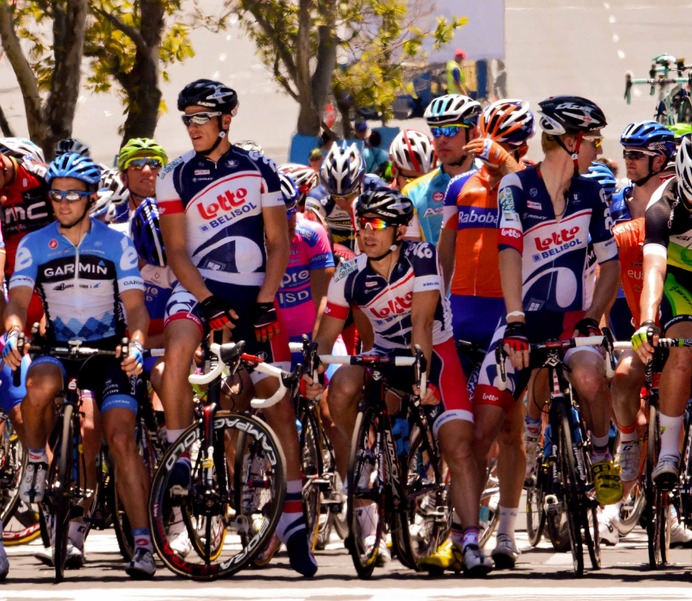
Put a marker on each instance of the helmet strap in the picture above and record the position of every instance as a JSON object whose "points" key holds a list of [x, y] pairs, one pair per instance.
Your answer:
{"points": [[572, 155], [222, 134], [643, 180], [390, 250]]}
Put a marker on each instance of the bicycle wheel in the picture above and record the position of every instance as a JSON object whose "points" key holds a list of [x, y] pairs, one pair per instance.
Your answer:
{"points": [[425, 521], [12, 462], [490, 500], [589, 510], [535, 508], [22, 526], [653, 529], [366, 498], [60, 480], [333, 502], [632, 508], [227, 526], [311, 465], [570, 493]]}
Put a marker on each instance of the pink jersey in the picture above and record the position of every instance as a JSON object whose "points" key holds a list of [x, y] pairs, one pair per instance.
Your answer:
{"points": [[309, 250]]}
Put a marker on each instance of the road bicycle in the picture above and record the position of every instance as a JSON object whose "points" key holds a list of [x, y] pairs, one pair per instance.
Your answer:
{"points": [[394, 482], [674, 103], [222, 482], [568, 462]]}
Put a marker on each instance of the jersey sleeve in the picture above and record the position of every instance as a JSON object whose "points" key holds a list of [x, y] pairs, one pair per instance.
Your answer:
{"points": [[167, 195], [271, 195], [319, 251], [426, 267], [601, 229], [656, 224], [510, 198], [338, 301], [26, 264], [127, 267]]}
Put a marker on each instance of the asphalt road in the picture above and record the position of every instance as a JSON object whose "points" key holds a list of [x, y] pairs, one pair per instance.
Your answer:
{"points": [[540, 574]]}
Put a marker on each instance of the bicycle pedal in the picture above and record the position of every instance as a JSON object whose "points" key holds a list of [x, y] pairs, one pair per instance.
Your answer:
{"points": [[552, 505]]}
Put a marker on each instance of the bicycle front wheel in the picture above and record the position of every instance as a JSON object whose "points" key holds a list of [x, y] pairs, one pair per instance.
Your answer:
{"points": [[535, 509], [366, 515], [210, 511], [570, 494], [59, 490]]}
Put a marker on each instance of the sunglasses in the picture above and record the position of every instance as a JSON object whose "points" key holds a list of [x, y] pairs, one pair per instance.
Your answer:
{"points": [[376, 224], [344, 196], [597, 141], [448, 131], [138, 164], [635, 155], [199, 118], [69, 195]]}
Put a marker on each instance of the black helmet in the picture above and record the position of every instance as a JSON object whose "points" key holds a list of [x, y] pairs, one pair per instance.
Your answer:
{"points": [[560, 114], [386, 203], [211, 94]]}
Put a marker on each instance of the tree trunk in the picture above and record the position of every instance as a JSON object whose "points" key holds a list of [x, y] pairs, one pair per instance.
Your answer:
{"points": [[5, 126]]}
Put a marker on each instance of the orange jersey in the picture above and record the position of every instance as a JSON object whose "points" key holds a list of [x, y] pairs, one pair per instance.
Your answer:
{"points": [[629, 236], [471, 210]]}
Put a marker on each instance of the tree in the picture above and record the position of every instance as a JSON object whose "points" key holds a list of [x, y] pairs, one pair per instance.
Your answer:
{"points": [[56, 70], [127, 43], [300, 41]]}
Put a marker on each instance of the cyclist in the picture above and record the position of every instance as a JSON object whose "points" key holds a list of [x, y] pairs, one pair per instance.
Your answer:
{"points": [[667, 285], [412, 154], [547, 214], [452, 120], [310, 269], [343, 179], [85, 273], [396, 285], [223, 221], [469, 234], [305, 178]]}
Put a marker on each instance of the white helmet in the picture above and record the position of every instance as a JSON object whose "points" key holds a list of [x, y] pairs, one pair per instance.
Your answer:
{"points": [[413, 151], [20, 148], [453, 108], [342, 170], [683, 170]]}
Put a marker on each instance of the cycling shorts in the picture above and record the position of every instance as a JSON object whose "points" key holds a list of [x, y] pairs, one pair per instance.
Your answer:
{"points": [[103, 376], [242, 299], [676, 305]]}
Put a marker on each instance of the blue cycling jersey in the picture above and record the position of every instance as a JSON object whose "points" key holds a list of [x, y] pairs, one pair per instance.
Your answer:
{"points": [[79, 286]]}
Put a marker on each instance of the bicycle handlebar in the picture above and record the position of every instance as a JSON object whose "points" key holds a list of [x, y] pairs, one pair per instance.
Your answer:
{"points": [[230, 352]]}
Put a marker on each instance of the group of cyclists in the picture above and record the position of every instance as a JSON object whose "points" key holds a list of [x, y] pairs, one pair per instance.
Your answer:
{"points": [[468, 241]]}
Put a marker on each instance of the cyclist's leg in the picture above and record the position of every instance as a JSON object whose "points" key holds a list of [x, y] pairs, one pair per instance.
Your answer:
{"points": [[43, 383], [119, 410], [183, 332], [625, 390], [587, 375]]}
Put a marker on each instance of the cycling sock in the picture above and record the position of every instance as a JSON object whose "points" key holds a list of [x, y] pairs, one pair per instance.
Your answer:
{"points": [[470, 537], [77, 533], [508, 520], [142, 538], [628, 433], [599, 448], [173, 434], [670, 434], [38, 456], [367, 518], [292, 531]]}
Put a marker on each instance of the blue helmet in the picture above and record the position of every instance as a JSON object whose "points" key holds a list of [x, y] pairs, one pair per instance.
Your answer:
{"points": [[604, 176], [649, 135], [290, 192], [76, 166], [145, 231]]}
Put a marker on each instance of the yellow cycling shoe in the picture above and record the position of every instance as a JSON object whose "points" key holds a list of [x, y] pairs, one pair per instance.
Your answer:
{"points": [[443, 559], [606, 479]]}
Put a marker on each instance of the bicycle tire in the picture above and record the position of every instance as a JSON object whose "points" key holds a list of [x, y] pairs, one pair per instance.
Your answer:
{"points": [[491, 492], [632, 509], [210, 498], [570, 493], [425, 520], [589, 513], [311, 465], [12, 467], [652, 445], [333, 503], [60, 491], [366, 498], [535, 508], [23, 526]]}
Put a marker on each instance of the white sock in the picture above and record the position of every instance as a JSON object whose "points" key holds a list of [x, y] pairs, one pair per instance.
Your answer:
{"points": [[508, 520], [670, 434]]}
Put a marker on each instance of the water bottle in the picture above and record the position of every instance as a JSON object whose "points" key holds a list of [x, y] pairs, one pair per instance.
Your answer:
{"points": [[400, 430]]}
